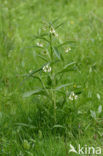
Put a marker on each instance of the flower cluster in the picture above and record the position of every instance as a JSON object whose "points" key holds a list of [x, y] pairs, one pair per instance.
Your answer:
{"points": [[73, 96], [30, 71], [47, 68], [45, 52], [39, 44], [53, 32], [67, 50]]}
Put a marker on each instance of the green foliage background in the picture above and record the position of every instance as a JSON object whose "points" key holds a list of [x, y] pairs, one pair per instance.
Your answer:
{"points": [[26, 124]]}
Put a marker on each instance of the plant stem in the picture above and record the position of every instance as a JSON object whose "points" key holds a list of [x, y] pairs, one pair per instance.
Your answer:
{"points": [[54, 101], [53, 93], [51, 49]]}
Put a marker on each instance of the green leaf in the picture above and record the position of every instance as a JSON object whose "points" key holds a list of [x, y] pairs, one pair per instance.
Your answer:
{"points": [[67, 67], [1, 115], [25, 125], [29, 93], [58, 54], [26, 145], [42, 57], [100, 109], [59, 25], [41, 37], [93, 114], [98, 96], [65, 43], [63, 86], [58, 126], [55, 20]]}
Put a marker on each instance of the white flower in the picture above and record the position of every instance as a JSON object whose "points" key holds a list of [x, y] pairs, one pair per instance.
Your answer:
{"points": [[30, 71], [67, 50], [47, 68], [56, 34], [39, 44], [73, 96], [53, 32]]}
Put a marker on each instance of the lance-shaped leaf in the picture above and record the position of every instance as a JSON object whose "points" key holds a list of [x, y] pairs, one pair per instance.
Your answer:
{"points": [[58, 126], [25, 125], [65, 43], [59, 25], [93, 114], [67, 67], [33, 92], [42, 57], [42, 37], [55, 20], [100, 109], [58, 54], [63, 86]]}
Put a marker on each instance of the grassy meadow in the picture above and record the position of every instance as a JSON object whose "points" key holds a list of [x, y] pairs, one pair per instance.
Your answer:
{"points": [[51, 76]]}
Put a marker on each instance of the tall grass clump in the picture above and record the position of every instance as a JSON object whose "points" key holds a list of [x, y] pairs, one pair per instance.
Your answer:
{"points": [[54, 94]]}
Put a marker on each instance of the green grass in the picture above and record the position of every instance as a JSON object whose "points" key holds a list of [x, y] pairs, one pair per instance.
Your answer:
{"points": [[27, 125]]}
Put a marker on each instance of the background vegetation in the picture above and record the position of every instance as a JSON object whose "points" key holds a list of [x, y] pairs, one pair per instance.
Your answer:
{"points": [[27, 125]]}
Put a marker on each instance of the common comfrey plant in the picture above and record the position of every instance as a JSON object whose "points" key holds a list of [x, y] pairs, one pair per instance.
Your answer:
{"points": [[52, 75]]}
